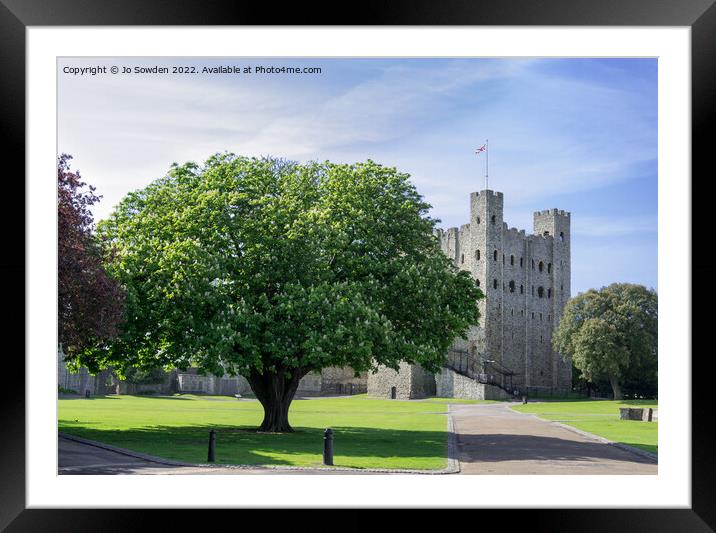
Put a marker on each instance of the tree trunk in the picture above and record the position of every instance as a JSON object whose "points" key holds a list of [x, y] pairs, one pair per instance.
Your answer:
{"points": [[275, 391], [616, 389]]}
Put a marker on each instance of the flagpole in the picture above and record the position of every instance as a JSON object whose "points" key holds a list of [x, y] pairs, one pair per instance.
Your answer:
{"points": [[487, 161]]}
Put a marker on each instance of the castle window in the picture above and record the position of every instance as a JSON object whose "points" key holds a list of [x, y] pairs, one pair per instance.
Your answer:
{"points": [[540, 292], [478, 220], [477, 255], [512, 260], [512, 312], [462, 258], [541, 266], [549, 317], [533, 264], [533, 315], [522, 262], [533, 290], [495, 255], [522, 289], [546, 233], [512, 286], [503, 259], [522, 312], [549, 293], [493, 220], [541, 338], [561, 236], [561, 287], [540, 316], [549, 268], [494, 283], [477, 282]]}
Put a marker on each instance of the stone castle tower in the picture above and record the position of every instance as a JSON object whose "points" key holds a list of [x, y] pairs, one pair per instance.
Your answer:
{"points": [[526, 281]]}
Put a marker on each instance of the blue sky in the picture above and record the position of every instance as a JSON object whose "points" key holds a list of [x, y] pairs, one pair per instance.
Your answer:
{"points": [[576, 134]]}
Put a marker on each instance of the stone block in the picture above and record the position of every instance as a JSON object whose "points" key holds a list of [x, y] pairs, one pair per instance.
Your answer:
{"points": [[636, 413]]}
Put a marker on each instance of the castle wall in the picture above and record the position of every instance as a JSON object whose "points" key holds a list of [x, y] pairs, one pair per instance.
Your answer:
{"points": [[410, 381], [450, 384], [310, 385], [381, 382], [222, 386], [337, 380], [526, 281]]}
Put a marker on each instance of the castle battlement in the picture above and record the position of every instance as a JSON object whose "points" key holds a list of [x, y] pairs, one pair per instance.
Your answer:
{"points": [[553, 211], [487, 192]]}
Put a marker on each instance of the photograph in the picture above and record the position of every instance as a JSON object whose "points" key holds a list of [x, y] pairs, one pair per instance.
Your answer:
{"points": [[357, 265]]}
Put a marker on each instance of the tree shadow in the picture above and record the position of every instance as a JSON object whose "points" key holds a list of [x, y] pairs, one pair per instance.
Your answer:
{"points": [[81, 397], [499, 447], [638, 402], [653, 448], [244, 445]]}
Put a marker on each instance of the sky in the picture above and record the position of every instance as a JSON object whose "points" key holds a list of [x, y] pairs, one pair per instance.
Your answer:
{"points": [[575, 134]]}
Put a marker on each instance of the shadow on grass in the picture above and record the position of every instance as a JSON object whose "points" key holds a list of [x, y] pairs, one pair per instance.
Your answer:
{"points": [[559, 400], [653, 448], [639, 402], [244, 445], [80, 397], [503, 447]]}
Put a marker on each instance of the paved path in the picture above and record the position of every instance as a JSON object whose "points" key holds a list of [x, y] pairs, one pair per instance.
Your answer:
{"points": [[494, 439], [490, 439]]}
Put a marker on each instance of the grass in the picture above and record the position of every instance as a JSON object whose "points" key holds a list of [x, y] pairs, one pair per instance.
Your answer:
{"points": [[368, 432], [601, 417]]}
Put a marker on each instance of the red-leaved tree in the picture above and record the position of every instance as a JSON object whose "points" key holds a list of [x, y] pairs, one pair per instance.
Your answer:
{"points": [[90, 303]]}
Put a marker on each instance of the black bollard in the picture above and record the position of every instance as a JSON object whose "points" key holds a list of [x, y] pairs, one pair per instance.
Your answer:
{"points": [[87, 393], [212, 446], [328, 447]]}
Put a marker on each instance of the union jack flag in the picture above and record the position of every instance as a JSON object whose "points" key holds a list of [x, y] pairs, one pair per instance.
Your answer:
{"points": [[481, 149]]}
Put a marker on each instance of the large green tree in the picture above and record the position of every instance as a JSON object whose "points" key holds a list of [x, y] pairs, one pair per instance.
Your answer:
{"points": [[612, 333], [270, 269]]}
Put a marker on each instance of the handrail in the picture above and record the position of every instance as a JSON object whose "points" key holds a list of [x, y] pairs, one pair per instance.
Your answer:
{"points": [[486, 372]]}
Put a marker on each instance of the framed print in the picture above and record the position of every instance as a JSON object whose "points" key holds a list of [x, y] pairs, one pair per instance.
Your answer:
{"points": [[223, 151]]}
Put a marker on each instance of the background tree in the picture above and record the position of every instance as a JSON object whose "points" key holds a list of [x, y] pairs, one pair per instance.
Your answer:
{"points": [[271, 270], [89, 301], [611, 332]]}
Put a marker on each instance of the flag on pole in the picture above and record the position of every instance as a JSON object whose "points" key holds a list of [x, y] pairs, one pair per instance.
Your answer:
{"points": [[481, 149]]}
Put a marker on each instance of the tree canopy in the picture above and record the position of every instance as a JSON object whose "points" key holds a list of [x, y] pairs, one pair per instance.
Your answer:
{"points": [[89, 302], [612, 333], [272, 269]]}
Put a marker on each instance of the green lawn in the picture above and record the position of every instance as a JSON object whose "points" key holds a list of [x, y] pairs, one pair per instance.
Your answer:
{"points": [[368, 432], [601, 417]]}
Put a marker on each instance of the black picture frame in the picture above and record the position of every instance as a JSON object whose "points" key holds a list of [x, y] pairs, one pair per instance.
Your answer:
{"points": [[16, 15]]}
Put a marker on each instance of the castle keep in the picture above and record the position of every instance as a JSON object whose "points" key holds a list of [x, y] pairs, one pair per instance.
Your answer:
{"points": [[526, 281]]}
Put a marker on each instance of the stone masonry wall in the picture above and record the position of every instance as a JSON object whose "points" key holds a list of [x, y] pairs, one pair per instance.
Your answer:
{"points": [[221, 386], [381, 382], [337, 380], [526, 281], [450, 384], [310, 385]]}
